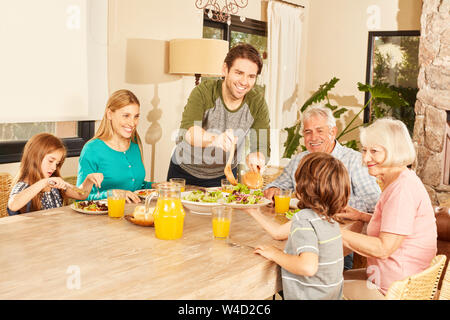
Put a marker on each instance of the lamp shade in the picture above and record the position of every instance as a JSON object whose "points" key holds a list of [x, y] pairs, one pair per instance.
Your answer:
{"points": [[197, 56]]}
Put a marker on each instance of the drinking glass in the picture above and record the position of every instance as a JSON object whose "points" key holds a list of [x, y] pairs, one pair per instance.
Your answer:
{"points": [[221, 221], [282, 201], [179, 182], [116, 203], [226, 186]]}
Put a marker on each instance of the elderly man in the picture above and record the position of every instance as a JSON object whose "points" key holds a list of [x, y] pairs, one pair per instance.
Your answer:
{"points": [[319, 132]]}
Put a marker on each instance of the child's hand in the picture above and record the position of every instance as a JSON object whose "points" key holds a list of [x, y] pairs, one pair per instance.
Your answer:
{"points": [[95, 178], [268, 252], [57, 182]]}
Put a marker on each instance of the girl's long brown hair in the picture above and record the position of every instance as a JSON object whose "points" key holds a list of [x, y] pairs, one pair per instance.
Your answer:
{"points": [[119, 99], [323, 184], [30, 166]]}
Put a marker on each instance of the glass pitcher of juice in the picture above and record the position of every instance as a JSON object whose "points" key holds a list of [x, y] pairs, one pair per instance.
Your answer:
{"points": [[169, 213]]}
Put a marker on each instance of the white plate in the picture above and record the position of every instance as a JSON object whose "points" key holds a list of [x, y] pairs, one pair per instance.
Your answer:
{"points": [[263, 203], [198, 207], [95, 213], [293, 203]]}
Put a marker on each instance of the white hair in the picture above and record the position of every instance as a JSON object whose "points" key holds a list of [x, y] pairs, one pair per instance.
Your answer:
{"points": [[394, 137], [318, 110]]}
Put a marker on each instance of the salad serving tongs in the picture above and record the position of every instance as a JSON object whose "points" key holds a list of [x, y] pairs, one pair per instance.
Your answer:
{"points": [[228, 172]]}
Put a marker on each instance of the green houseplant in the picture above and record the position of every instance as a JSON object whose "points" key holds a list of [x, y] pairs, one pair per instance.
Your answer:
{"points": [[379, 93]]}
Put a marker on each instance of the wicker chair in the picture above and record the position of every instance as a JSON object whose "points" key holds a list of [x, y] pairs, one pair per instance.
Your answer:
{"points": [[5, 189], [421, 286], [270, 174], [444, 294]]}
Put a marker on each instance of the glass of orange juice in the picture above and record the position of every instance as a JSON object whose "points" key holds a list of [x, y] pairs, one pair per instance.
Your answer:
{"points": [[179, 182], [226, 185], [116, 203], [282, 201], [221, 222]]}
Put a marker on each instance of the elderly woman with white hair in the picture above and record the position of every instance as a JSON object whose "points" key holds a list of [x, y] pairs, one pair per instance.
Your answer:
{"points": [[401, 233]]}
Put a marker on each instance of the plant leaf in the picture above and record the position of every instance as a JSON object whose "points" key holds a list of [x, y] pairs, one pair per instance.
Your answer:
{"points": [[292, 140], [352, 144], [331, 107], [337, 114], [320, 94]]}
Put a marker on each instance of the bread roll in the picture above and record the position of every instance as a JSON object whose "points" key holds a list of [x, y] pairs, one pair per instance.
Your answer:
{"points": [[139, 214], [253, 180]]}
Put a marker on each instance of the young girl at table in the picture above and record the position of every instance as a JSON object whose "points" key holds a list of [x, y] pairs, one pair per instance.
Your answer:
{"points": [[312, 261], [38, 184]]}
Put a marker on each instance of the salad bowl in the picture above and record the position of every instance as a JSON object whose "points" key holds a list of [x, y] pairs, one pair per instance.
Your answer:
{"points": [[200, 202]]}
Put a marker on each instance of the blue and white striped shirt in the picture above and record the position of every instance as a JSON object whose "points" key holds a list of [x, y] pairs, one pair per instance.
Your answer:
{"points": [[365, 191]]}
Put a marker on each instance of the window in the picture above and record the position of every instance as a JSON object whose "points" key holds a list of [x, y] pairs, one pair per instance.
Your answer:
{"points": [[392, 59], [250, 31], [14, 136]]}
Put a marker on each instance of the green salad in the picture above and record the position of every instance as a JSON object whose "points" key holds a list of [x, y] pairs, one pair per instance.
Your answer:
{"points": [[291, 213], [242, 195], [200, 196]]}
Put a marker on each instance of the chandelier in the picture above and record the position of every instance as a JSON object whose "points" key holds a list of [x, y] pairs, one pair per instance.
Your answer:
{"points": [[221, 12]]}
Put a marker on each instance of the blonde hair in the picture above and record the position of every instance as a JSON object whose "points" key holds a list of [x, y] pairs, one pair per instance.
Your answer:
{"points": [[118, 100], [394, 137], [30, 166], [323, 184]]}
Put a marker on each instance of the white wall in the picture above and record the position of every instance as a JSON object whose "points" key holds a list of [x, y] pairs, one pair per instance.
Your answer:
{"points": [[335, 44]]}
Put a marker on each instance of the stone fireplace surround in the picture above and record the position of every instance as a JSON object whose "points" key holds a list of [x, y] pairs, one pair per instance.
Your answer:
{"points": [[433, 100]]}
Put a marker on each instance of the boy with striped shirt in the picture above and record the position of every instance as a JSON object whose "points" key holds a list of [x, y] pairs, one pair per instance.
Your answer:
{"points": [[312, 261]]}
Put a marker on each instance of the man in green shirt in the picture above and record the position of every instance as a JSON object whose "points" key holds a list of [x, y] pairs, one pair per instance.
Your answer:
{"points": [[218, 114]]}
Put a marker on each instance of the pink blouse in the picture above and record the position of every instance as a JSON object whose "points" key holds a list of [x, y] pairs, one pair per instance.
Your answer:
{"points": [[404, 208]]}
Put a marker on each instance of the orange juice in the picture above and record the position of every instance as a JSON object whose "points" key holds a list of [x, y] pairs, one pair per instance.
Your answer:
{"points": [[116, 207], [221, 227], [169, 218], [227, 189], [282, 203]]}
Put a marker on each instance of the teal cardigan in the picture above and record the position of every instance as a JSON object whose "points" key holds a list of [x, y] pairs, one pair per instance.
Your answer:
{"points": [[121, 170]]}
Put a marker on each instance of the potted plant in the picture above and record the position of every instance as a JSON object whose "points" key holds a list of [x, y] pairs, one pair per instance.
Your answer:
{"points": [[379, 93]]}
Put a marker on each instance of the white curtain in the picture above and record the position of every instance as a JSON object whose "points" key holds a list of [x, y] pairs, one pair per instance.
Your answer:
{"points": [[284, 38]]}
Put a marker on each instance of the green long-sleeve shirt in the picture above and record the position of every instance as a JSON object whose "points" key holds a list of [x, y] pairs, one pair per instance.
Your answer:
{"points": [[205, 108], [121, 170]]}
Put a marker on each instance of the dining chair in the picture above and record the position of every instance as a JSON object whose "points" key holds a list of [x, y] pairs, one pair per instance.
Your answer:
{"points": [[270, 174], [420, 286], [444, 293], [5, 189]]}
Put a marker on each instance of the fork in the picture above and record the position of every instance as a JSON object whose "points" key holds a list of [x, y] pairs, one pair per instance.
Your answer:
{"points": [[98, 193]]}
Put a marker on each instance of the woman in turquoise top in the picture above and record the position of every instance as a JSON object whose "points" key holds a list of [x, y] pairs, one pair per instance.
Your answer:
{"points": [[116, 149]]}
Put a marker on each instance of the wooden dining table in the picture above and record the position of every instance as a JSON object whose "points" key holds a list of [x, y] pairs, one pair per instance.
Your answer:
{"points": [[64, 254]]}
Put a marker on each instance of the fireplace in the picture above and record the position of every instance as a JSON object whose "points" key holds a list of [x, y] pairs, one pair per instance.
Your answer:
{"points": [[431, 128]]}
